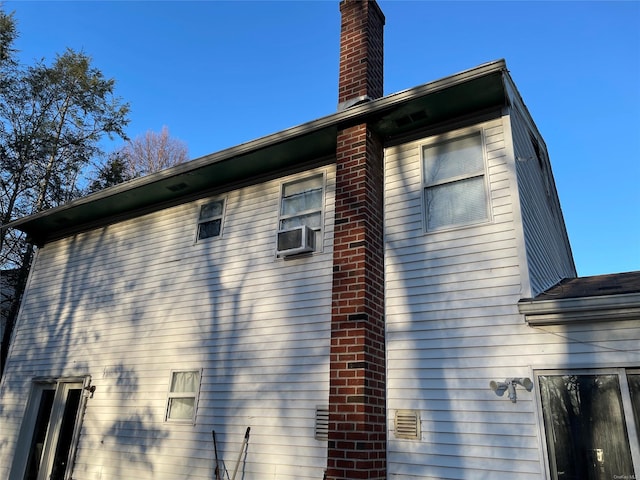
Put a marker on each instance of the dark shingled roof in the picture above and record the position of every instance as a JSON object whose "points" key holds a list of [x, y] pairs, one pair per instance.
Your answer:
{"points": [[595, 286]]}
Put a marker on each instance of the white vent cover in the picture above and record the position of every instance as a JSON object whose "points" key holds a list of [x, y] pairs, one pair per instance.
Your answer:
{"points": [[295, 240], [322, 422], [407, 424]]}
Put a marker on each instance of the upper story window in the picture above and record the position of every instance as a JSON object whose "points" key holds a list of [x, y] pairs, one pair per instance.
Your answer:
{"points": [[302, 203], [455, 191], [210, 220]]}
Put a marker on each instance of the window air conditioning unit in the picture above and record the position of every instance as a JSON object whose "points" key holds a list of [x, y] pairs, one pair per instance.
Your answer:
{"points": [[296, 240]]}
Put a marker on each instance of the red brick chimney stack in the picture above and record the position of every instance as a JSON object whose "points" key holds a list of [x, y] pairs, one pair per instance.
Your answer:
{"points": [[357, 383], [361, 52]]}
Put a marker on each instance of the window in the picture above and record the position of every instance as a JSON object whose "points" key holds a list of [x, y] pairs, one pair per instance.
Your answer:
{"points": [[590, 419], [210, 220], [183, 396], [301, 204], [454, 183], [50, 431]]}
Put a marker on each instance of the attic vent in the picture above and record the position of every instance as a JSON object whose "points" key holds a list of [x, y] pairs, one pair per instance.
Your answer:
{"points": [[176, 187], [322, 422], [411, 118], [407, 424]]}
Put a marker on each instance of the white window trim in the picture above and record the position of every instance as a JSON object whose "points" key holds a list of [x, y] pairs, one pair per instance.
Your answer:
{"points": [[298, 178], [447, 137], [626, 406], [60, 386], [199, 221], [195, 395]]}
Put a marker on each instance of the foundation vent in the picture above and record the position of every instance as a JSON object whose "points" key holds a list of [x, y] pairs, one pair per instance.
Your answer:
{"points": [[407, 424], [322, 422]]}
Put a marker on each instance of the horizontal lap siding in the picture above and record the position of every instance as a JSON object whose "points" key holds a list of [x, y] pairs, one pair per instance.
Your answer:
{"points": [[128, 303], [548, 251], [453, 326], [450, 304]]}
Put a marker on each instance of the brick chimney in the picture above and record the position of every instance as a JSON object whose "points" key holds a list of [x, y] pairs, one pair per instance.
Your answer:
{"points": [[361, 52], [357, 405]]}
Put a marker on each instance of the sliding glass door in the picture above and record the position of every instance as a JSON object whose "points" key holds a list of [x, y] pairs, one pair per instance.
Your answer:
{"points": [[591, 423]]}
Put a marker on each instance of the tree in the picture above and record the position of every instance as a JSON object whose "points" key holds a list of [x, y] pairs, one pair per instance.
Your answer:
{"points": [[52, 118], [8, 34], [112, 172], [142, 156], [153, 152]]}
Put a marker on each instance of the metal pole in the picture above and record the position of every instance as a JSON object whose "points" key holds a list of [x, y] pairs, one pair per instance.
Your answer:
{"points": [[244, 444], [215, 449]]}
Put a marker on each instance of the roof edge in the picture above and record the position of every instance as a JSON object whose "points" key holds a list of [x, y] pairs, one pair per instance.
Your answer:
{"points": [[357, 114], [351, 114], [583, 309]]}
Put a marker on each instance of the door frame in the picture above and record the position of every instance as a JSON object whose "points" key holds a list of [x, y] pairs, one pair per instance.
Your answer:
{"points": [[627, 407], [61, 386]]}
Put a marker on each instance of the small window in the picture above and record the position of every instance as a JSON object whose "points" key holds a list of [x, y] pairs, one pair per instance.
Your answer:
{"points": [[183, 396], [454, 183], [210, 219], [301, 205]]}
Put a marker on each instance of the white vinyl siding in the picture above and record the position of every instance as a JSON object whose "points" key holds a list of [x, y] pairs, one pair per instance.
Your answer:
{"points": [[547, 246], [130, 302], [453, 326]]}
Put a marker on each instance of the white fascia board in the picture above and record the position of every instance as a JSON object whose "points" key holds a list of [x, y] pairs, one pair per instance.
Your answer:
{"points": [[581, 310]]}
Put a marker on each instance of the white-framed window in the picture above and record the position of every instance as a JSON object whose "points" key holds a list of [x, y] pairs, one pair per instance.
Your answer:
{"points": [[301, 203], [210, 219], [454, 179], [182, 398], [591, 422]]}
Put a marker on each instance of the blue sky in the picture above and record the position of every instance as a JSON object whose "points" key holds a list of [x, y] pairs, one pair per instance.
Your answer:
{"points": [[222, 73]]}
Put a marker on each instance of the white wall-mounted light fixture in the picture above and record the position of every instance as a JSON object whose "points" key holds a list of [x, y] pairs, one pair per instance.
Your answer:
{"points": [[88, 391], [510, 385]]}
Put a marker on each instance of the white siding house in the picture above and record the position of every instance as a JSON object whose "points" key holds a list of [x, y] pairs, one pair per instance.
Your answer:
{"points": [[454, 322], [215, 310], [130, 303]]}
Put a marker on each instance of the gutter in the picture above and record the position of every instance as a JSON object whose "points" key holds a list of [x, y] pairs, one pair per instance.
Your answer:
{"points": [[350, 116], [581, 310]]}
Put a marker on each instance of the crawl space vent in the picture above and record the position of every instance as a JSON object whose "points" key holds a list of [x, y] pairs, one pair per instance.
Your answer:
{"points": [[407, 424], [322, 423]]}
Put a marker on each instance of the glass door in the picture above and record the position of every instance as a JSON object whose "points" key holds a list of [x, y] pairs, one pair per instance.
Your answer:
{"points": [[50, 431], [590, 430]]}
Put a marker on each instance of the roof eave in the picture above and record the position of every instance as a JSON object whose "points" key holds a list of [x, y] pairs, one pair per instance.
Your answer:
{"points": [[564, 311], [248, 160]]}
